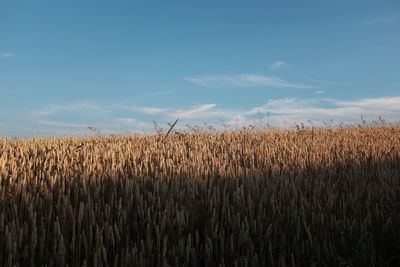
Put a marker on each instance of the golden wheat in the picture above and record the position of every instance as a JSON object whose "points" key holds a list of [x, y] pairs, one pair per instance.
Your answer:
{"points": [[321, 197]]}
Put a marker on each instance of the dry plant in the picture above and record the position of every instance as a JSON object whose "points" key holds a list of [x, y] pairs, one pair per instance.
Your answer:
{"points": [[319, 197]]}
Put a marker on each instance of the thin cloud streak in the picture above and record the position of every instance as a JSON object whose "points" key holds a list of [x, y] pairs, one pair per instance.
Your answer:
{"points": [[384, 103], [387, 20], [159, 93], [192, 112], [146, 110], [127, 121], [279, 64], [63, 124], [119, 126], [335, 83], [244, 80], [132, 122], [88, 108], [5, 55]]}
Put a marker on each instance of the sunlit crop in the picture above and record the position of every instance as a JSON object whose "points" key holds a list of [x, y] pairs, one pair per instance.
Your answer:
{"points": [[321, 197]]}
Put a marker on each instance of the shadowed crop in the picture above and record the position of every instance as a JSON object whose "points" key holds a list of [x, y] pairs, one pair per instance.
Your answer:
{"points": [[322, 197]]}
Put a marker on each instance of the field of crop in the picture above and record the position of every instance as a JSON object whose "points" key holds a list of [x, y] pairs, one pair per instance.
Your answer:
{"points": [[321, 197]]}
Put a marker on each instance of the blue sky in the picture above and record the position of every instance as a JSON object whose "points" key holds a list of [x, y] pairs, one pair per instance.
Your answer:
{"points": [[119, 65]]}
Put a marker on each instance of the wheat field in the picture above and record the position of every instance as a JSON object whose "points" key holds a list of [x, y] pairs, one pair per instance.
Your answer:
{"points": [[307, 197]]}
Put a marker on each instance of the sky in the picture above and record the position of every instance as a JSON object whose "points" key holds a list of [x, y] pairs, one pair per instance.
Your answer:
{"points": [[117, 66]]}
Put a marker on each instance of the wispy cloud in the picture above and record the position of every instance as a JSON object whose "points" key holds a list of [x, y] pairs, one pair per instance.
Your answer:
{"points": [[288, 111], [62, 124], [202, 111], [192, 112], [279, 64], [146, 110], [283, 112], [382, 47], [388, 20], [5, 55], [118, 126], [244, 80], [135, 123], [300, 110], [384, 104], [159, 93], [334, 83], [88, 107], [127, 121], [318, 92]]}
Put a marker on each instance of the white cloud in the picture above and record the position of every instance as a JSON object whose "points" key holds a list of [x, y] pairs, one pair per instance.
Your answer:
{"points": [[127, 121], [288, 111], [132, 122], [5, 55], [192, 112], [317, 110], [63, 124], [87, 107], [147, 110], [119, 126], [391, 104], [244, 80], [283, 112], [318, 92], [334, 83], [388, 20], [198, 112], [382, 47], [158, 93], [279, 64]]}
